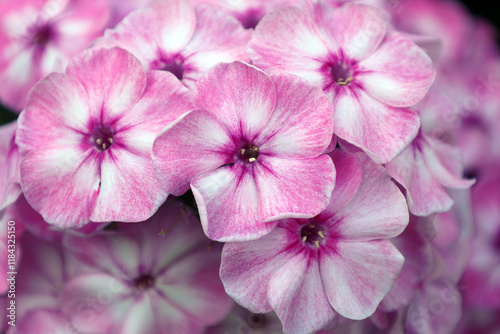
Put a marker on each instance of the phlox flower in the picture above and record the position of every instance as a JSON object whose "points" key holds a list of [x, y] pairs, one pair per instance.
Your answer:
{"points": [[40, 36], [252, 153], [156, 277], [338, 262], [370, 73], [173, 36], [85, 139]]}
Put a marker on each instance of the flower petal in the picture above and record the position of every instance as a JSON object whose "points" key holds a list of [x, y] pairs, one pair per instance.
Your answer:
{"points": [[229, 204], [195, 143], [129, 190], [290, 39], [113, 78], [247, 268], [302, 121], [217, 38], [378, 210], [380, 130], [358, 275], [240, 96], [297, 295], [398, 73], [10, 189], [61, 183], [299, 188]]}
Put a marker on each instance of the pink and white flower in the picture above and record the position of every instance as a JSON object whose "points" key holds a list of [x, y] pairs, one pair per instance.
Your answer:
{"points": [[310, 270], [85, 139], [40, 36], [370, 73], [170, 35], [252, 153], [146, 278]]}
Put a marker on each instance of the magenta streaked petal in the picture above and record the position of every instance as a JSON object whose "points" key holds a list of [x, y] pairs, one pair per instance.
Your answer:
{"points": [[123, 196], [398, 73], [10, 187], [195, 143], [298, 188], [217, 38], [348, 179], [302, 122], [113, 78], [380, 130], [358, 275], [241, 96], [57, 111], [163, 101], [247, 268], [295, 294], [289, 38], [229, 204], [61, 183], [377, 211]]}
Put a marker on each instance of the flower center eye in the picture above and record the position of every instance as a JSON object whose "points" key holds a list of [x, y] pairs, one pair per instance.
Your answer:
{"points": [[342, 74], [102, 139], [42, 35], [256, 320], [144, 282], [173, 66], [249, 153], [312, 235]]}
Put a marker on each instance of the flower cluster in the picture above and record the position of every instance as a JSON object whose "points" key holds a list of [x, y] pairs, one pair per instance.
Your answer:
{"points": [[261, 166]]}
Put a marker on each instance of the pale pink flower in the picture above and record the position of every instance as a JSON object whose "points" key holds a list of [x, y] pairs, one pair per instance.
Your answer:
{"points": [[370, 73], [155, 277], [253, 155], [85, 138], [40, 36], [339, 262], [173, 36]]}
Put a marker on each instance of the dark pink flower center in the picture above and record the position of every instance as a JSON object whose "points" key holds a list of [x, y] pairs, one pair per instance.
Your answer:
{"points": [[173, 66], [312, 234], [42, 35], [102, 138], [256, 320], [249, 153], [342, 74], [144, 282], [496, 241]]}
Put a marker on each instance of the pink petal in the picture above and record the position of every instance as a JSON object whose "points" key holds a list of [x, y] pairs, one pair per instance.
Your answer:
{"points": [[217, 38], [240, 96], [160, 30], [57, 111], [229, 204], [193, 144], [129, 190], [247, 268], [399, 73], [380, 130], [290, 39], [113, 78], [45, 321], [193, 285], [302, 122], [10, 189], [299, 188], [348, 179], [357, 29], [61, 183], [358, 275], [377, 211], [297, 295]]}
